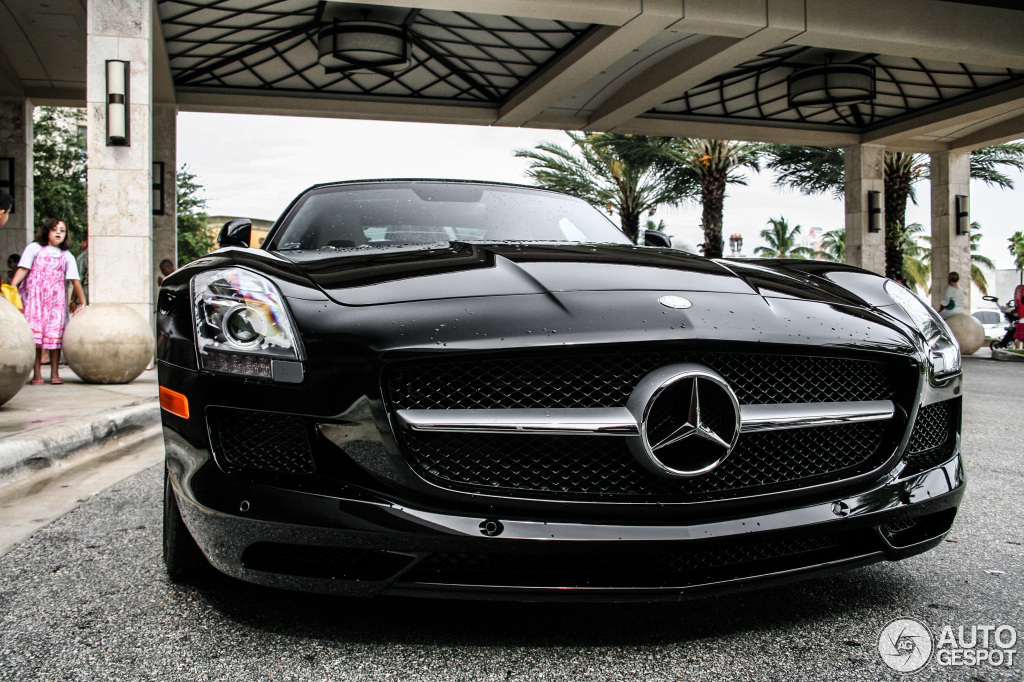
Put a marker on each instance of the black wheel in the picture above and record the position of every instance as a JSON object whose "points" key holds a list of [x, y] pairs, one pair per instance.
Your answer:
{"points": [[182, 556], [994, 345]]}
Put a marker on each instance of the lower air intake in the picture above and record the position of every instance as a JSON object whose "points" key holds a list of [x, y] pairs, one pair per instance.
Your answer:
{"points": [[260, 441]]}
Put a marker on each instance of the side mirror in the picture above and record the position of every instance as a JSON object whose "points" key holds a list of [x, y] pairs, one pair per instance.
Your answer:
{"points": [[655, 238], [235, 232]]}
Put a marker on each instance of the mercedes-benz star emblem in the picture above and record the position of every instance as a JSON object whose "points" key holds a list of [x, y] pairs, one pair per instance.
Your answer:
{"points": [[689, 420], [676, 302]]}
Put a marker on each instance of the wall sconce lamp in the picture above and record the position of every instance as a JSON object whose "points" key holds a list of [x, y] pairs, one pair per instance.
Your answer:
{"points": [[874, 211], [158, 188], [118, 134], [963, 214], [7, 175]]}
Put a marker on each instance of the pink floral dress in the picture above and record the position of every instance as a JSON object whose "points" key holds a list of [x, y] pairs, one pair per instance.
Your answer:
{"points": [[44, 296]]}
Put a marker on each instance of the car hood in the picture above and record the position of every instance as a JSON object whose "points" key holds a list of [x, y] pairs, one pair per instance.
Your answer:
{"points": [[404, 274]]}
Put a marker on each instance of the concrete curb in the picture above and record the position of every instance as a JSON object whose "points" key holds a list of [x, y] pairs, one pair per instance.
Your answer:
{"points": [[1006, 356], [24, 453]]}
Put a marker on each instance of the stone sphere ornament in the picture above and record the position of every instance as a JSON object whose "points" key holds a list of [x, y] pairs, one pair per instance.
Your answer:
{"points": [[968, 332], [17, 351], [108, 343]]}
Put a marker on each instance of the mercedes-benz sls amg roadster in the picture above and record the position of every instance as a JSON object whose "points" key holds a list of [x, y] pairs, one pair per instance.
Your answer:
{"points": [[470, 389]]}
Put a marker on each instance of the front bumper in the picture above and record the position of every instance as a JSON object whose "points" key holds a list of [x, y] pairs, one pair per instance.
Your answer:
{"points": [[362, 547]]}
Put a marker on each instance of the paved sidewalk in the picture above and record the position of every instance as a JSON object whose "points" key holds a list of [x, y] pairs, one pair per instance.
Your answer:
{"points": [[46, 426]]}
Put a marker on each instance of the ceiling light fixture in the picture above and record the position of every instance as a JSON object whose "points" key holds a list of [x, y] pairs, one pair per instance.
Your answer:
{"points": [[378, 41], [829, 85]]}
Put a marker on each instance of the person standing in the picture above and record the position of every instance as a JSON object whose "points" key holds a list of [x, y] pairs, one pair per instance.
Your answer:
{"points": [[45, 266], [953, 299], [166, 268], [1018, 303]]}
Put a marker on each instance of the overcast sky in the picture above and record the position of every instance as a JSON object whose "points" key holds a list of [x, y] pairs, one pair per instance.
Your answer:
{"points": [[253, 166]]}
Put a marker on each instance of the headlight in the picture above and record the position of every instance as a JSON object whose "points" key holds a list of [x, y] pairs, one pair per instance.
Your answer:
{"points": [[943, 350], [243, 326]]}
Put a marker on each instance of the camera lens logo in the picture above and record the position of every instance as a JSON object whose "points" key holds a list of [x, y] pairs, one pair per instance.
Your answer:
{"points": [[905, 645]]}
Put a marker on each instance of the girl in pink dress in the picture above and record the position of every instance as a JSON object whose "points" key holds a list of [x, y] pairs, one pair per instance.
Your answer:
{"points": [[44, 268]]}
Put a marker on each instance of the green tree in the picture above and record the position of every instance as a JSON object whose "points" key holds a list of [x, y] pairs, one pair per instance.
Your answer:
{"points": [[917, 259], [59, 170], [833, 245], [978, 260], [659, 226], [1016, 249], [194, 240], [902, 171], [815, 170], [781, 240], [615, 172], [712, 165]]}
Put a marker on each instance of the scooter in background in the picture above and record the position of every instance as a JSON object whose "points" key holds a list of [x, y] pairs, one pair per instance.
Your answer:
{"points": [[1010, 313]]}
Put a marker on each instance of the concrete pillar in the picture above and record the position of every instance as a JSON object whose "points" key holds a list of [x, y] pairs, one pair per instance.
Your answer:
{"points": [[16, 143], [165, 225], [950, 176], [120, 189], [864, 172]]}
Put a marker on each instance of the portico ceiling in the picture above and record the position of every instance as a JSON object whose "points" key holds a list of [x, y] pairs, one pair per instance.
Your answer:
{"points": [[949, 74]]}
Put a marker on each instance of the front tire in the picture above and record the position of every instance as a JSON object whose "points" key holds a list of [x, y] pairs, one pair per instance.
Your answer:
{"points": [[182, 556]]}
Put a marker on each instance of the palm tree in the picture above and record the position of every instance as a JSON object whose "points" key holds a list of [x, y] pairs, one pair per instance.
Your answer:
{"points": [[782, 241], [707, 165], [833, 245], [815, 170], [902, 171], [977, 260], [917, 259], [713, 164], [660, 226], [811, 170], [619, 173], [1016, 249]]}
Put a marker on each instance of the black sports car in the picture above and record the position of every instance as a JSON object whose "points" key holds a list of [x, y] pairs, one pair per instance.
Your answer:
{"points": [[475, 389]]}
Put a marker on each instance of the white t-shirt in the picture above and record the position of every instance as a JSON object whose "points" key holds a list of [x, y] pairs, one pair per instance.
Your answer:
{"points": [[28, 256], [956, 296]]}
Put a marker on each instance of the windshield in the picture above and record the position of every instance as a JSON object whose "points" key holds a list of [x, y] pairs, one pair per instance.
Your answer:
{"points": [[384, 214]]}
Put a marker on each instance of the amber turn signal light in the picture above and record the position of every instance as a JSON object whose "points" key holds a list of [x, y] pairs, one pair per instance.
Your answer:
{"points": [[174, 402]]}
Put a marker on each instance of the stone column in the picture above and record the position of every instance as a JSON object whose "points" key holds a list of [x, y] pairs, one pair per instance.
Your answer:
{"points": [[16, 143], [950, 176], [165, 226], [120, 189], [864, 172]]}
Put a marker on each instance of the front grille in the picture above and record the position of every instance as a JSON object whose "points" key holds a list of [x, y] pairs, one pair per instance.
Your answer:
{"points": [[588, 468], [599, 468], [679, 564], [932, 440], [606, 380], [260, 441]]}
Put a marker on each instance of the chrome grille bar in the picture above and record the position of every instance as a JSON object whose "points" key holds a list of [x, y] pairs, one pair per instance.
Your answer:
{"points": [[754, 418], [611, 421], [619, 421]]}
